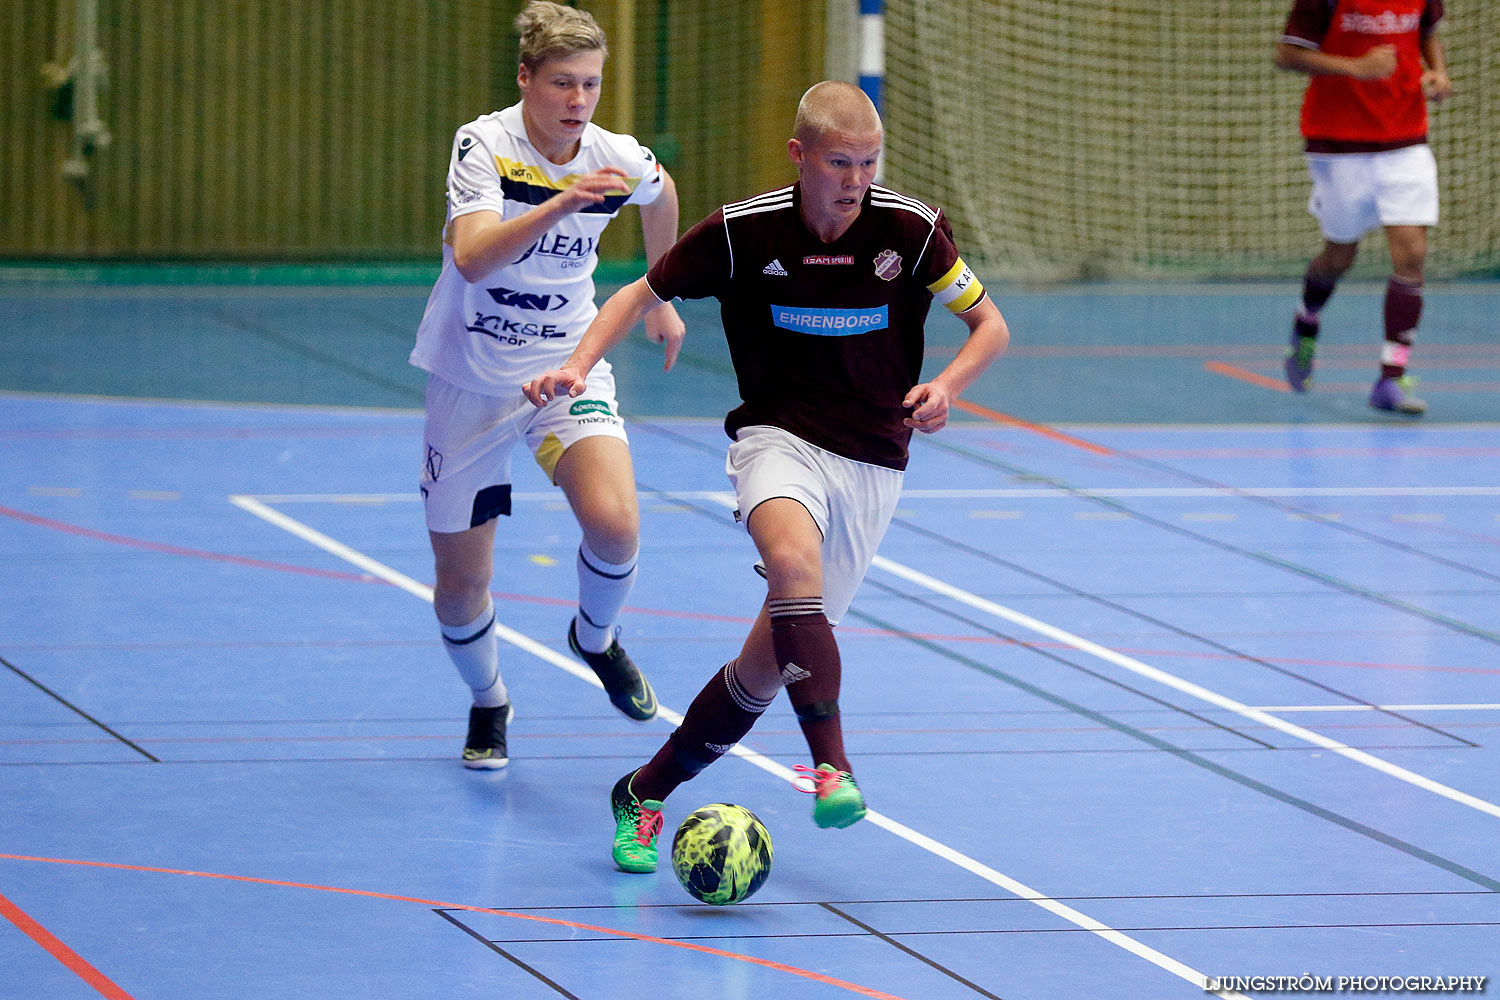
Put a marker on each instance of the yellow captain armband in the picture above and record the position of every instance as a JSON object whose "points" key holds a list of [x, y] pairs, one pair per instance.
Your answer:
{"points": [[958, 289]]}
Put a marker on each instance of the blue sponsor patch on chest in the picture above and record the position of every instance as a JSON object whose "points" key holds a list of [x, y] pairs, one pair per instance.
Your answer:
{"points": [[830, 322]]}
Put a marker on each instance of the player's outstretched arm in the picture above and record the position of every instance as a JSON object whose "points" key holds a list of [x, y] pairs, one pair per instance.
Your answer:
{"points": [[483, 241], [659, 232], [617, 316], [988, 338], [1376, 64]]}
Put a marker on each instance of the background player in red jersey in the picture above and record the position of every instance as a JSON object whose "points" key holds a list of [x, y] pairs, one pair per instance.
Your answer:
{"points": [[1374, 64], [824, 288]]}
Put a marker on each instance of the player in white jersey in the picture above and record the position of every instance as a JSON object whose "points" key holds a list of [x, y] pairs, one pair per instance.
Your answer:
{"points": [[530, 190]]}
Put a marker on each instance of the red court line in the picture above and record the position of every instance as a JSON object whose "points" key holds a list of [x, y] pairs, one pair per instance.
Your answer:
{"points": [[816, 977], [75, 647], [164, 433], [1245, 375], [1005, 418], [174, 550], [330, 574], [67, 956], [1425, 386], [655, 612], [1268, 382], [1423, 363]]}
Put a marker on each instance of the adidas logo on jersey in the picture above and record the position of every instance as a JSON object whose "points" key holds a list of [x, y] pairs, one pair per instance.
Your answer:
{"points": [[774, 269]]}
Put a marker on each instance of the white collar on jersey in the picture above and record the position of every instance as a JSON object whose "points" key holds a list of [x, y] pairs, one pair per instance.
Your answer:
{"points": [[512, 122]]}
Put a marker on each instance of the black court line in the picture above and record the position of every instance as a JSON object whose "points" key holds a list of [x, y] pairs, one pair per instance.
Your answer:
{"points": [[958, 616], [1326, 579], [76, 710], [910, 951], [1017, 900], [500, 774], [503, 953], [1125, 609], [1322, 519], [1058, 584], [1453, 867], [889, 936], [311, 353], [406, 331], [1216, 927], [1197, 760], [714, 513]]}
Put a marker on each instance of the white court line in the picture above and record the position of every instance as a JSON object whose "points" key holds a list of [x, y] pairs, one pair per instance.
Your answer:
{"points": [[1186, 687], [1171, 680], [1480, 707], [1027, 493], [406, 583], [1020, 889]]}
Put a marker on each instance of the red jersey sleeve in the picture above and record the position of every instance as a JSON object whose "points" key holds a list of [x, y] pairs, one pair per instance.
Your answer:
{"points": [[697, 266]]}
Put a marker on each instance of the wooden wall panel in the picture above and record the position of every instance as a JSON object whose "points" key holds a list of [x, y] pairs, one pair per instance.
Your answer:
{"points": [[314, 129]]}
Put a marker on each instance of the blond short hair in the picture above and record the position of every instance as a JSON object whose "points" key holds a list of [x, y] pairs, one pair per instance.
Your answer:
{"points": [[834, 106], [551, 30]]}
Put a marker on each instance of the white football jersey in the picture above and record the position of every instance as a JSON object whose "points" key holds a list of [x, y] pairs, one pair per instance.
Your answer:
{"points": [[527, 315]]}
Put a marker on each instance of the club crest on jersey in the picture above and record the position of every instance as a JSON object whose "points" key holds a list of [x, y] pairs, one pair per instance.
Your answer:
{"points": [[887, 265]]}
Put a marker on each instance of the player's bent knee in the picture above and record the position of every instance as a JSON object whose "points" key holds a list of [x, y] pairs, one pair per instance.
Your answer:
{"points": [[458, 590], [793, 568], [615, 540]]}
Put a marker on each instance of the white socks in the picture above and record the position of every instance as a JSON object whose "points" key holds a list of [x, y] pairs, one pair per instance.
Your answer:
{"points": [[476, 653], [602, 590]]}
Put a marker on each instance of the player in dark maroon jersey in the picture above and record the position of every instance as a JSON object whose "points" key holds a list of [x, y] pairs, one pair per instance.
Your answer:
{"points": [[824, 287], [1373, 66]]}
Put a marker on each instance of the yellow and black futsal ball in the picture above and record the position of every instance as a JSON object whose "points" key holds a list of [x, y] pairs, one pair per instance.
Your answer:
{"points": [[721, 854]]}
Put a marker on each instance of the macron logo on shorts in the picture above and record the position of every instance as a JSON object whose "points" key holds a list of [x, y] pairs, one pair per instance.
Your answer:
{"points": [[830, 322]]}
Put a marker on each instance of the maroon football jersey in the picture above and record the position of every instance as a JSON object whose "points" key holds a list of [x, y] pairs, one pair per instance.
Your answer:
{"points": [[826, 338]]}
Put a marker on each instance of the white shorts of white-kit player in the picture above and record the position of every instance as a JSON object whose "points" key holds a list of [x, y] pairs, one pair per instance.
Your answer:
{"points": [[852, 502], [468, 439], [1354, 193]]}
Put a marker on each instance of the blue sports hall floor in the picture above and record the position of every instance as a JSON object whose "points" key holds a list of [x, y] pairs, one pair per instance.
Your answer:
{"points": [[1164, 675]]}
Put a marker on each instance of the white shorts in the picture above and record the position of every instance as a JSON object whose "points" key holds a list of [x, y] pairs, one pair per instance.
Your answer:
{"points": [[468, 439], [852, 502], [1354, 193]]}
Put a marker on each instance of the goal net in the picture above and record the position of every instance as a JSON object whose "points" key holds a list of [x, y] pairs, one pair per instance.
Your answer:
{"points": [[1131, 138]]}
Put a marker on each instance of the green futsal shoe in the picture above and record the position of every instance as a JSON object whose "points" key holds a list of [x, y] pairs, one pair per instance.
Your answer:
{"points": [[637, 823], [1299, 362], [839, 802]]}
